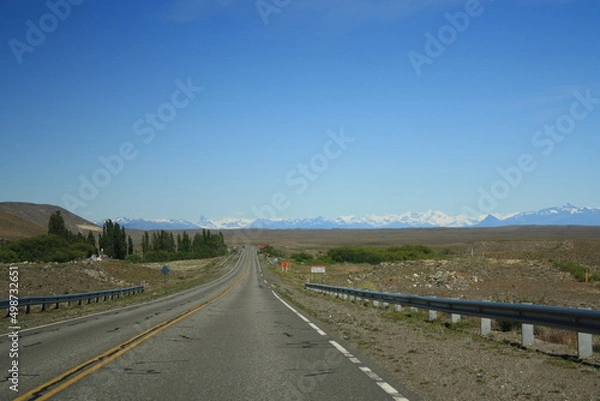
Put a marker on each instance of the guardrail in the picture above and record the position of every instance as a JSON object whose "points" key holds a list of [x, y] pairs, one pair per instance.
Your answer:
{"points": [[28, 302], [584, 321]]}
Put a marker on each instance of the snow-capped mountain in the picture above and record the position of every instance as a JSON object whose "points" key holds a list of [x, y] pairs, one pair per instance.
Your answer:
{"points": [[227, 223], [156, 224], [560, 215]]}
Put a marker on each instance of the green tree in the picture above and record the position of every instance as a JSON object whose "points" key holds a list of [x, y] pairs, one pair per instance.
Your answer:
{"points": [[186, 243], [145, 243], [56, 225], [90, 239], [113, 240], [171, 246]]}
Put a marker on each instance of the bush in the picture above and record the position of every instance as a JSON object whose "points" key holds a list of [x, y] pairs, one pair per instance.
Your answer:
{"points": [[269, 250], [8, 255], [45, 248], [506, 325], [575, 270], [363, 254], [302, 257]]}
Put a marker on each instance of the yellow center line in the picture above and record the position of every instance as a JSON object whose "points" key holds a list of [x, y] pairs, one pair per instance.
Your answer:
{"points": [[42, 393]]}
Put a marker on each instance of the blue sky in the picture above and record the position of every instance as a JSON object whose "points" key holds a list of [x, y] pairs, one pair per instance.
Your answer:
{"points": [[299, 108]]}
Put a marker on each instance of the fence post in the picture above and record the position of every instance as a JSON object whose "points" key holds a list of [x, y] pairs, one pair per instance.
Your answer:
{"points": [[527, 331], [454, 317], [486, 326], [585, 345]]}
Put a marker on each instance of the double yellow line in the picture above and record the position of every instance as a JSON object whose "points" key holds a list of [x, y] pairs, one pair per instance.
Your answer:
{"points": [[59, 383]]}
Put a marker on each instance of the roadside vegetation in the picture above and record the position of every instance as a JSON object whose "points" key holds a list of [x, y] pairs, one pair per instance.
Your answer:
{"points": [[163, 246], [577, 271], [375, 256], [58, 245], [367, 254]]}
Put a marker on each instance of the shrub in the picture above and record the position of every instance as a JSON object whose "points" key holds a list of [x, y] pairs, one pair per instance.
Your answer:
{"points": [[302, 257], [575, 270], [363, 254]]}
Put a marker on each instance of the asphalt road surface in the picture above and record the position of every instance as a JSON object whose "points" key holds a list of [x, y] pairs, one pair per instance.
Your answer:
{"points": [[232, 339]]}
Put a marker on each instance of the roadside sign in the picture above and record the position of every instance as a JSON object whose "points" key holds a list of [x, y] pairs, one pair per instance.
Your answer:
{"points": [[165, 271], [317, 270], [285, 266]]}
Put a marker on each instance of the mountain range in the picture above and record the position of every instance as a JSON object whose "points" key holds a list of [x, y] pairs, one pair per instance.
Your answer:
{"points": [[559, 215]]}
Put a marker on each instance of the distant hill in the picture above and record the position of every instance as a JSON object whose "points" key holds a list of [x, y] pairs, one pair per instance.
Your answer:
{"points": [[21, 220], [13, 228]]}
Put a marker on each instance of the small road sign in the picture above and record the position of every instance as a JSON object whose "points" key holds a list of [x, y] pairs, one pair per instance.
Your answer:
{"points": [[317, 269], [165, 271]]}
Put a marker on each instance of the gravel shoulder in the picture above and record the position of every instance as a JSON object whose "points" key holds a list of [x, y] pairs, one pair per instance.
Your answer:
{"points": [[440, 361]]}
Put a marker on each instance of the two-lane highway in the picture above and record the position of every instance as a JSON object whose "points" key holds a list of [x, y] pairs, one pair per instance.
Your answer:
{"points": [[231, 340]]}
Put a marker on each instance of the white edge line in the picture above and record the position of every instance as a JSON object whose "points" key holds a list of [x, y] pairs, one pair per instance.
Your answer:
{"points": [[385, 386], [290, 307], [314, 326]]}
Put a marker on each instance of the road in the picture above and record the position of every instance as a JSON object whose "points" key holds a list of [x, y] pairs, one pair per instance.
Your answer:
{"points": [[232, 339]]}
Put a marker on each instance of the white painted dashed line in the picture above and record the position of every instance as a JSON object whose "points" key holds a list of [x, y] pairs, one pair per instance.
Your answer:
{"points": [[314, 326], [344, 351], [291, 308], [385, 386], [372, 375]]}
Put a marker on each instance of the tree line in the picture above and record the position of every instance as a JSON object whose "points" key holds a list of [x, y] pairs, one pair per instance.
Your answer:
{"points": [[61, 245], [163, 246]]}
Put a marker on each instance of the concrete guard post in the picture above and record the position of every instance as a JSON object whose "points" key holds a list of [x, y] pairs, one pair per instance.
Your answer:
{"points": [[527, 335], [585, 346], [486, 326]]}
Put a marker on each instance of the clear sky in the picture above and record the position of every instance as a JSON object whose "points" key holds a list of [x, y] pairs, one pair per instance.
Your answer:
{"points": [[299, 108]]}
